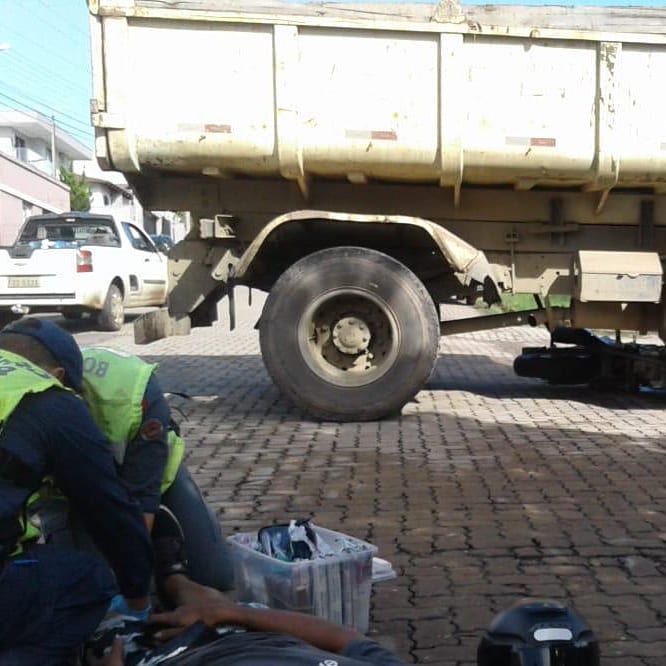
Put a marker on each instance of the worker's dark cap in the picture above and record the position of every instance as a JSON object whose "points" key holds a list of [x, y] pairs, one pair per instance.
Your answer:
{"points": [[61, 345]]}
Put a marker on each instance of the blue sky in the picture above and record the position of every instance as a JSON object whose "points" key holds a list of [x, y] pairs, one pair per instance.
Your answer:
{"points": [[47, 67]]}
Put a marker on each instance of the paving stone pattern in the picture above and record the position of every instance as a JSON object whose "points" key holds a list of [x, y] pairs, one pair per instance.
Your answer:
{"points": [[486, 489]]}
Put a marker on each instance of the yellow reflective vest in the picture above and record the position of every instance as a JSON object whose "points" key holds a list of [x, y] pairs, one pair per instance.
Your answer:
{"points": [[114, 384], [18, 378]]}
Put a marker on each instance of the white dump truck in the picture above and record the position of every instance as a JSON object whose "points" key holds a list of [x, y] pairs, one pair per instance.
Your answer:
{"points": [[365, 163]]}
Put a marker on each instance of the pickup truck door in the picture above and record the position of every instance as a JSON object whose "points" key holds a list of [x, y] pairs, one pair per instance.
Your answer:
{"points": [[149, 266]]}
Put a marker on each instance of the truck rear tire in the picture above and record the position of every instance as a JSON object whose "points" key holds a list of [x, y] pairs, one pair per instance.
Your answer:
{"points": [[349, 334], [112, 316]]}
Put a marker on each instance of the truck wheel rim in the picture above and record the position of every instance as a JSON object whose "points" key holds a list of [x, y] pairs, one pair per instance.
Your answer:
{"points": [[117, 314], [349, 337]]}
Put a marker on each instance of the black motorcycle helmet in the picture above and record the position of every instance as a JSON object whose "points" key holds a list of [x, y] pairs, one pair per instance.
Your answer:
{"points": [[538, 633]]}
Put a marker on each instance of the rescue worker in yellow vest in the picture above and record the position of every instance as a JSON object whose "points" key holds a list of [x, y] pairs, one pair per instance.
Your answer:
{"points": [[52, 599], [128, 405]]}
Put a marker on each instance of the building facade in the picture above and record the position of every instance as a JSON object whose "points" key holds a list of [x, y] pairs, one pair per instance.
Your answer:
{"points": [[32, 149], [109, 193], [26, 191]]}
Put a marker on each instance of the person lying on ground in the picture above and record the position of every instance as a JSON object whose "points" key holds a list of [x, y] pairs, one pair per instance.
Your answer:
{"points": [[211, 629], [206, 627]]}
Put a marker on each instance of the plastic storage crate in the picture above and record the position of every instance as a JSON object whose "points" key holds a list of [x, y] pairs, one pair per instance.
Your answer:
{"points": [[336, 587]]}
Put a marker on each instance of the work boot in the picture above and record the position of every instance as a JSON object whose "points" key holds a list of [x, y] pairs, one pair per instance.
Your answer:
{"points": [[169, 546]]}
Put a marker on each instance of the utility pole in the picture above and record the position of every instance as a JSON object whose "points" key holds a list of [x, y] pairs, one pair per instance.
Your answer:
{"points": [[54, 157]]}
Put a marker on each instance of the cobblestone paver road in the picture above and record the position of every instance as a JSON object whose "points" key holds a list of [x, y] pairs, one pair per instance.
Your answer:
{"points": [[487, 488]]}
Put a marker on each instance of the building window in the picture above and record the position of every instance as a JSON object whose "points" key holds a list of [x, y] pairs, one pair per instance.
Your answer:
{"points": [[21, 150]]}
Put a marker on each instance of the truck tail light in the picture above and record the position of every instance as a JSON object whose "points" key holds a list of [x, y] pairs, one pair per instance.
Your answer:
{"points": [[84, 261]]}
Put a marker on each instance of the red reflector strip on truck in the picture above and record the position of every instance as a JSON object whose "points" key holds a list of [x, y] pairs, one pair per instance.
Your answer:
{"points": [[84, 261], [206, 128], [540, 141], [220, 129], [374, 135]]}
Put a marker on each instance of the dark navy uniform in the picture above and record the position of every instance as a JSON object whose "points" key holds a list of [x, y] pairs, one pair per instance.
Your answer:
{"points": [[51, 600]]}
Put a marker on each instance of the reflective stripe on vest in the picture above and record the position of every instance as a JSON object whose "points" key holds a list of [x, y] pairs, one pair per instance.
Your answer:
{"points": [[176, 455]]}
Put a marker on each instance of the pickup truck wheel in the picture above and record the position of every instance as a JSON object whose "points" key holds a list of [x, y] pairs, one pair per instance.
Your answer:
{"points": [[349, 334], [112, 316]]}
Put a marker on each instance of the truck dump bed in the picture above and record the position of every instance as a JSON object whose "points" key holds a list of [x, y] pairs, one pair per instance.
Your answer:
{"points": [[413, 93]]}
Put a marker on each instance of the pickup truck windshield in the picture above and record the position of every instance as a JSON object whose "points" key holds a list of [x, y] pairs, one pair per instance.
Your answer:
{"points": [[59, 233]]}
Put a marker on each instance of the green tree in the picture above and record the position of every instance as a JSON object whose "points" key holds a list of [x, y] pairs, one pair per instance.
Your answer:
{"points": [[79, 190]]}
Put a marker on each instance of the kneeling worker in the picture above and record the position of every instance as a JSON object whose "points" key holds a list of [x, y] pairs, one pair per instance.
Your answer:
{"points": [[128, 405], [51, 599]]}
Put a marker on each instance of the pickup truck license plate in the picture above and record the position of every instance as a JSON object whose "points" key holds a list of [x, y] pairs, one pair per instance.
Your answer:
{"points": [[22, 282]]}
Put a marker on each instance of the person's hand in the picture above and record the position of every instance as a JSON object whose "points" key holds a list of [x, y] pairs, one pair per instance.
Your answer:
{"points": [[115, 657], [211, 613]]}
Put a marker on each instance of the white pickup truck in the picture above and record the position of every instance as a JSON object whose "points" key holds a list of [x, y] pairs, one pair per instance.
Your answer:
{"points": [[78, 263]]}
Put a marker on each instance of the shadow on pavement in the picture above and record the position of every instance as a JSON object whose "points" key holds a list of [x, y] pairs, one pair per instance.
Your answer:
{"points": [[481, 375], [87, 323], [223, 377]]}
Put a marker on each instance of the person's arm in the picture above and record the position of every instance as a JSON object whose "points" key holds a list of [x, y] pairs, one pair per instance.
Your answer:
{"points": [[313, 630], [146, 455], [84, 470]]}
